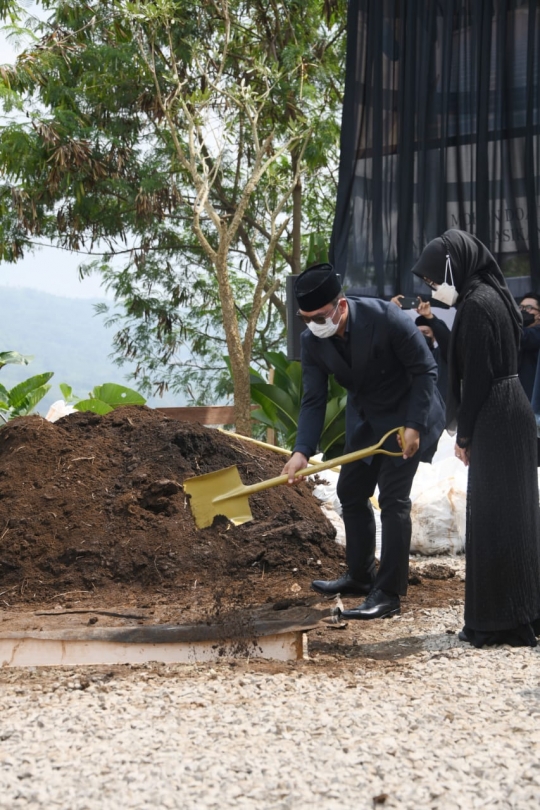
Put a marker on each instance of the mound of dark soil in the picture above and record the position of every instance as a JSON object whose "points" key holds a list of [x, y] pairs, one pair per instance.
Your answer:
{"points": [[94, 505]]}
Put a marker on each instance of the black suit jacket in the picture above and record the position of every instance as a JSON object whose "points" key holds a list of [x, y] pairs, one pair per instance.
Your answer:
{"points": [[391, 380]]}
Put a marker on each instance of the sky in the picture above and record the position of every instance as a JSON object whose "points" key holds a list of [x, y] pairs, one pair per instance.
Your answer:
{"points": [[47, 269]]}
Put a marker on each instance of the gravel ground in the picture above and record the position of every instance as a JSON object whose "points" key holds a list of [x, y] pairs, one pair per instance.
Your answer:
{"points": [[439, 726]]}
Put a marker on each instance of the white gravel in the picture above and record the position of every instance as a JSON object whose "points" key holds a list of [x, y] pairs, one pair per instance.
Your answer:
{"points": [[444, 727]]}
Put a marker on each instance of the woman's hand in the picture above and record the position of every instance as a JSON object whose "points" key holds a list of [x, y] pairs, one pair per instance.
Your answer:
{"points": [[396, 300], [463, 454]]}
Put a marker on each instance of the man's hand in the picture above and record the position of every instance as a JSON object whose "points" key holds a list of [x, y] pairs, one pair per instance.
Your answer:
{"points": [[463, 454], [297, 461], [424, 309], [411, 444], [397, 300]]}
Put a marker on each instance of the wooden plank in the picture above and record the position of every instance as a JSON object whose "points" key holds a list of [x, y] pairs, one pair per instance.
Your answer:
{"points": [[204, 414], [247, 624]]}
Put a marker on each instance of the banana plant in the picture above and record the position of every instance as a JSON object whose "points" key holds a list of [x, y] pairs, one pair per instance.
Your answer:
{"points": [[279, 404], [23, 398]]}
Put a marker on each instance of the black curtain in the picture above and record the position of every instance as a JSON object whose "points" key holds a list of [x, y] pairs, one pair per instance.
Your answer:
{"points": [[440, 129]]}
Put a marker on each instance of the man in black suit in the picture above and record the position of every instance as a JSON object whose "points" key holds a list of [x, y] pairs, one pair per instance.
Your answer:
{"points": [[377, 353]]}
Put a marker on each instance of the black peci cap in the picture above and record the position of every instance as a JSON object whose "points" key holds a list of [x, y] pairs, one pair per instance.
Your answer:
{"points": [[316, 286]]}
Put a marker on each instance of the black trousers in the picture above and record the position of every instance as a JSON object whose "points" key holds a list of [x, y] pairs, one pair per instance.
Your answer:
{"points": [[356, 485]]}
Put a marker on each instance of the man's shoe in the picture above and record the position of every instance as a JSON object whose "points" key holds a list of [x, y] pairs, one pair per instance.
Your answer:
{"points": [[378, 605], [345, 586]]}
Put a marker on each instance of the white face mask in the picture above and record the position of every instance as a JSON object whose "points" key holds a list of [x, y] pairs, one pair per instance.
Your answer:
{"points": [[326, 329], [323, 330], [446, 293]]}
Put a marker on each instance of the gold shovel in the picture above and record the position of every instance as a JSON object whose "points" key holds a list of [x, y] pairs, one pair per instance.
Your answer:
{"points": [[223, 493]]}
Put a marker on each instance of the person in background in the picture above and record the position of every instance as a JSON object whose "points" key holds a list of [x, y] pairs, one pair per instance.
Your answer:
{"points": [[376, 353], [496, 439], [437, 336], [530, 341], [529, 355]]}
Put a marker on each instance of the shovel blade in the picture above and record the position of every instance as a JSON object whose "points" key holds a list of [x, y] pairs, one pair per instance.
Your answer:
{"points": [[218, 493]]}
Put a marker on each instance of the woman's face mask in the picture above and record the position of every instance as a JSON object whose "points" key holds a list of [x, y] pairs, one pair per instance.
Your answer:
{"points": [[446, 293]]}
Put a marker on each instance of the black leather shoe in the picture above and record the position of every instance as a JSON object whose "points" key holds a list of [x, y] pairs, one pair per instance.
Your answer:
{"points": [[462, 635], [345, 586], [378, 605]]}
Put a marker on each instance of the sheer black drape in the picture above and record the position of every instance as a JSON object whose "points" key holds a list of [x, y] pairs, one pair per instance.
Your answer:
{"points": [[441, 124]]}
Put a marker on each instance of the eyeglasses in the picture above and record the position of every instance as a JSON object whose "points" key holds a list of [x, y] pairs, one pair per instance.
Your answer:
{"points": [[430, 283], [528, 308], [320, 319]]}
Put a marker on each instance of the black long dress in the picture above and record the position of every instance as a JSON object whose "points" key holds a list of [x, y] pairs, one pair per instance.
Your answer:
{"points": [[502, 589]]}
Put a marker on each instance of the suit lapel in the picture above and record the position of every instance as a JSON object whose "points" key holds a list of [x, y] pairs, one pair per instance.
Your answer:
{"points": [[361, 329], [339, 367]]}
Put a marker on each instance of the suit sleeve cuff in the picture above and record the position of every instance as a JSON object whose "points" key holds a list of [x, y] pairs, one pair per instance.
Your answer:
{"points": [[304, 449], [415, 426]]}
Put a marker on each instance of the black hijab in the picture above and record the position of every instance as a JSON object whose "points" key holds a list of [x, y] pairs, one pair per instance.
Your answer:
{"points": [[472, 264]]}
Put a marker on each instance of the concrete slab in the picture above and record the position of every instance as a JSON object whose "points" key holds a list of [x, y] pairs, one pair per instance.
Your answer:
{"points": [[25, 651], [68, 638]]}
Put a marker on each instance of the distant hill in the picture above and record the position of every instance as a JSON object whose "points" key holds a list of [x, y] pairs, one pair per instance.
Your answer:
{"points": [[66, 336]]}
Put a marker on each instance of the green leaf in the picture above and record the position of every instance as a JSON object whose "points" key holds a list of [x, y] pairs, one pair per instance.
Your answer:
{"points": [[332, 439], [255, 377], [116, 395], [294, 373], [267, 405], [19, 392], [285, 408], [318, 249], [259, 415], [67, 392], [31, 400], [94, 405], [16, 358]]}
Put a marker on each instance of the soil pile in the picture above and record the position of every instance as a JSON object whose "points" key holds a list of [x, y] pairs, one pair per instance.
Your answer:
{"points": [[93, 505]]}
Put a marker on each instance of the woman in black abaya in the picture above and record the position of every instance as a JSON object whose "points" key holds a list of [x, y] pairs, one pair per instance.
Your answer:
{"points": [[496, 437]]}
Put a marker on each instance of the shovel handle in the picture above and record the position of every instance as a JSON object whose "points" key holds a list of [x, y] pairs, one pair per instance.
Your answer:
{"points": [[272, 447], [320, 466]]}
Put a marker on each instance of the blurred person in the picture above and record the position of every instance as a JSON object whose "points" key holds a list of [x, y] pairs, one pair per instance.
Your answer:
{"points": [[437, 336], [529, 354], [496, 438], [377, 354], [530, 341]]}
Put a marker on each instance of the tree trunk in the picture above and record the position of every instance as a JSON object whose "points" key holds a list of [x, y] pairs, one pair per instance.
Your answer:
{"points": [[296, 220], [242, 399], [239, 365]]}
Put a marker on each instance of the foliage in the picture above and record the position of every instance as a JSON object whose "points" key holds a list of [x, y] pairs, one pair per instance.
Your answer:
{"points": [[193, 142], [280, 402], [103, 398], [15, 358], [22, 398]]}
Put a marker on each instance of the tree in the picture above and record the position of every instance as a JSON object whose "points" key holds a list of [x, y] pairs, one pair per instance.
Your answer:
{"points": [[177, 134]]}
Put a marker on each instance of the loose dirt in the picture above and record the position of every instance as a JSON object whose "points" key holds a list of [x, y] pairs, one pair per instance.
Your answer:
{"points": [[93, 515]]}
